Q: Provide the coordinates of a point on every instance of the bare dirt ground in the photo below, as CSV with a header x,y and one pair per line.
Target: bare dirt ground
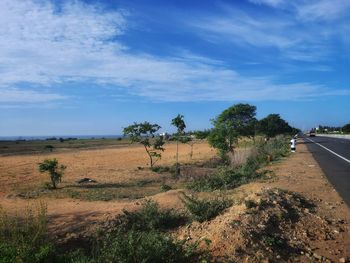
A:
x,y
325,233
117,165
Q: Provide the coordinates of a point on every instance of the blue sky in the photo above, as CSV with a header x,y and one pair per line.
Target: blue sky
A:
x,y
94,67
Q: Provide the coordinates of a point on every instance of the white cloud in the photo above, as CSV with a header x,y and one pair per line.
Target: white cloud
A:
x,y
42,45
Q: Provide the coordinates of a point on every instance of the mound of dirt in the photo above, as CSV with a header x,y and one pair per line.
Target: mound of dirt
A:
x,y
272,226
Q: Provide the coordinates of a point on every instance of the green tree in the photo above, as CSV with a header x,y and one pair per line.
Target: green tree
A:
x,y
234,122
144,133
273,125
54,169
201,134
346,128
180,125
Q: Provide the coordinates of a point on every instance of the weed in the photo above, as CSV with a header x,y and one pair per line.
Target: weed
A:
x,y
152,246
203,210
24,239
151,217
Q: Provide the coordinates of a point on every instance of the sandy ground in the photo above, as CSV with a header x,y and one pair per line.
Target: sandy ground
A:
x,y
104,165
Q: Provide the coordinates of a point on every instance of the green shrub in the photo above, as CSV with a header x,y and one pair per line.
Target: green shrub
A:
x,y
225,178
165,187
49,147
136,246
164,169
24,239
160,169
231,177
150,217
250,204
203,210
55,171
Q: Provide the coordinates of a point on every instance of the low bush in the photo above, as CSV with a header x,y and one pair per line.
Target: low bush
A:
x,y
25,239
164,169
151,217
205,209
250,204
228,177
152,246
165,187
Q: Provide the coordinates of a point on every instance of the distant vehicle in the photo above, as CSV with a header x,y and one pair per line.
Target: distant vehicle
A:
x,y
312,133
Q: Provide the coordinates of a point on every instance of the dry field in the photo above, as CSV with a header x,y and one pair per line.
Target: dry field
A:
x,y
325,234
119,172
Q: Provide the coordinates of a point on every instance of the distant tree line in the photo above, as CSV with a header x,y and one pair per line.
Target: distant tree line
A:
x,y
332,129
236,121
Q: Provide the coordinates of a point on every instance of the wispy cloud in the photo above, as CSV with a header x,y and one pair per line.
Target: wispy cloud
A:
x,y
15,95
310,10
44,45
274,3
298,30
323,10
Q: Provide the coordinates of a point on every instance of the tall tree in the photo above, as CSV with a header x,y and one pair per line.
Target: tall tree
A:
x,y
234,122
273,125
180,125
145,134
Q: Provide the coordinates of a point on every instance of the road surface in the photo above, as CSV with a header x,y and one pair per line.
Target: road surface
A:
x,y
333,155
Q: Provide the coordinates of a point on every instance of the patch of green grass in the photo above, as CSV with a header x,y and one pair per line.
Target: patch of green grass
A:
x,y
205,209
24,238
97,192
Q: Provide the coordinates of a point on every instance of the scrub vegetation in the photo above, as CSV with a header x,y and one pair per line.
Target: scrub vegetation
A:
x,y
148,234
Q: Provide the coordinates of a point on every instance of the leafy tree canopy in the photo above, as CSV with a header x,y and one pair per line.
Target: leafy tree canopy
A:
x,y
144,133
54,169
273,125
179,123
238,120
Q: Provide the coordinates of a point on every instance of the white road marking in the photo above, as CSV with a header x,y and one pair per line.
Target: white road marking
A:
x,y
341,157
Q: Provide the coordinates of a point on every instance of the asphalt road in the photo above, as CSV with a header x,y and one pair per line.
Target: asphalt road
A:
x,y
333,155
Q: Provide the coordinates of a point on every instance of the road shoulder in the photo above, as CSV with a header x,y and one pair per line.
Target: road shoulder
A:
x,y
302,174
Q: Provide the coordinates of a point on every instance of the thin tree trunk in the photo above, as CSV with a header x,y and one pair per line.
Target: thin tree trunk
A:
x,y
177,158
53,182
150,157
191,154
